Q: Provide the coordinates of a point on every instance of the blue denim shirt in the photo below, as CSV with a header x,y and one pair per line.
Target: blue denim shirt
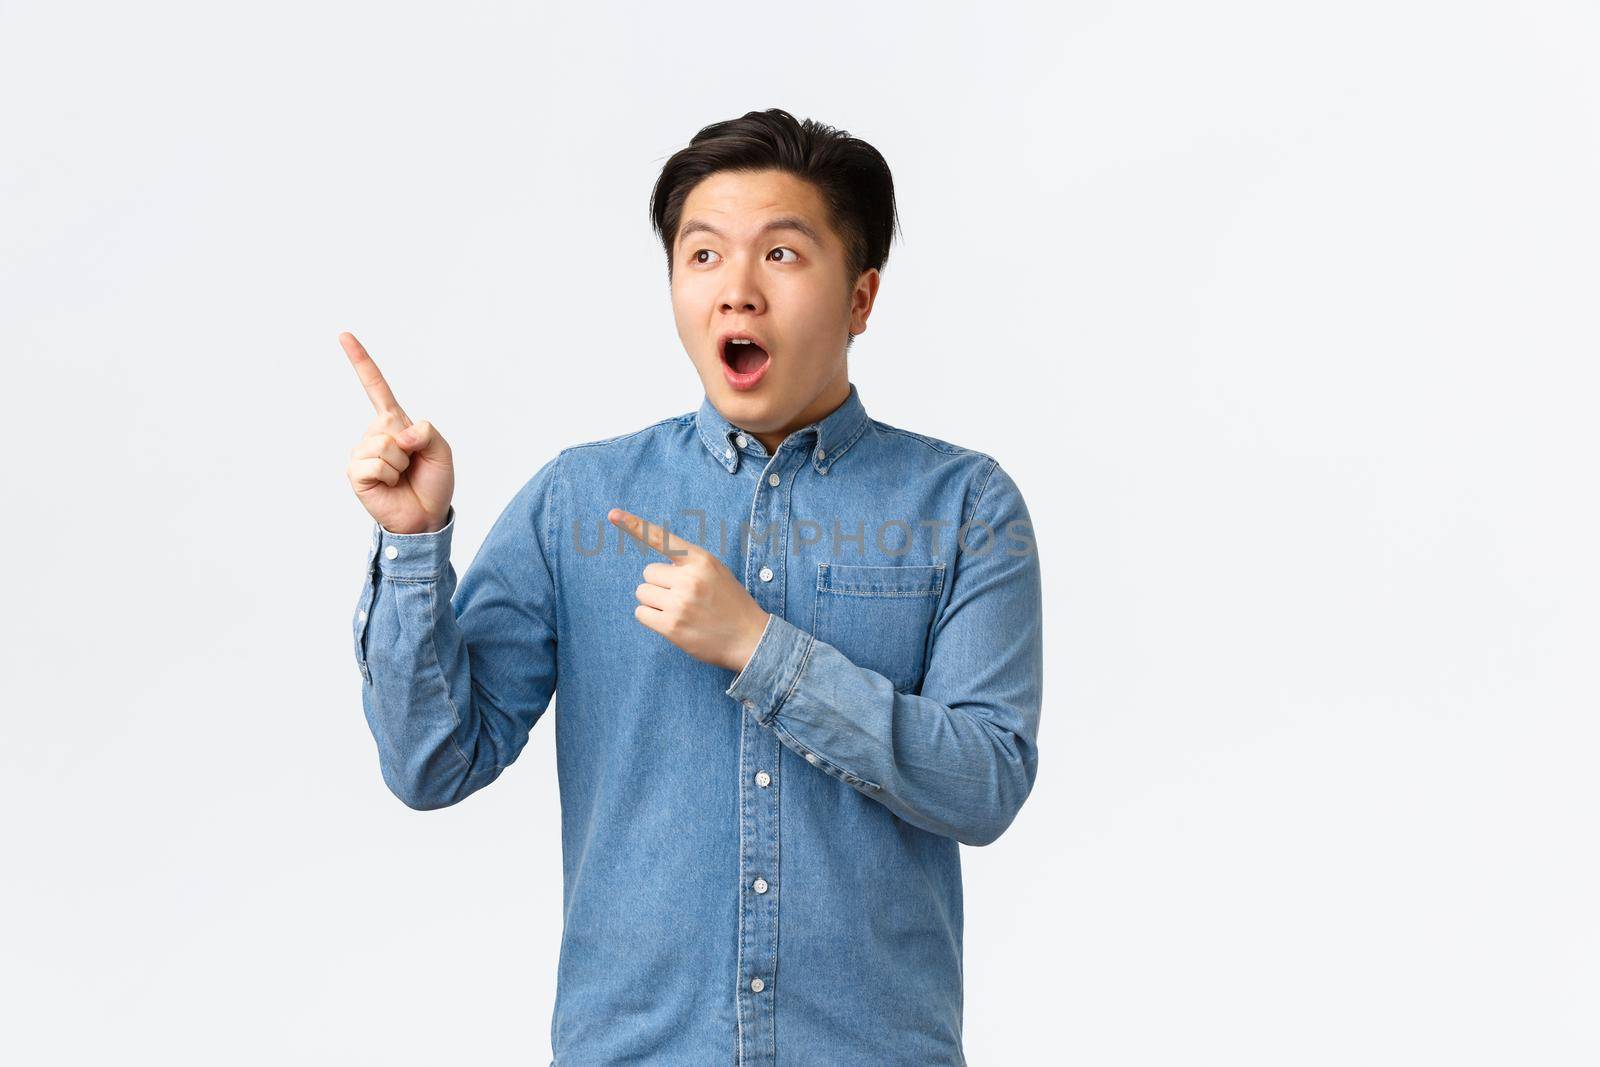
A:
x,y
760,868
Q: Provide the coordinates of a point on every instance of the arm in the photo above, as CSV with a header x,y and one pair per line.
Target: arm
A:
x,y
454,681
960,758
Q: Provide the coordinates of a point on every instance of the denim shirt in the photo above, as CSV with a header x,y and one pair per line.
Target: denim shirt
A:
x,y
757,868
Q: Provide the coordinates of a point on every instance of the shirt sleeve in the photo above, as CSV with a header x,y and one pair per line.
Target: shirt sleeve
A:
x,y
960,757
453,680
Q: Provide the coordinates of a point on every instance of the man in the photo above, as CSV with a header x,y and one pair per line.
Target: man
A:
x,y
832,673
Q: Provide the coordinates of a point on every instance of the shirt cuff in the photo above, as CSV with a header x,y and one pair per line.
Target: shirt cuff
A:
x,y
417,556
773,670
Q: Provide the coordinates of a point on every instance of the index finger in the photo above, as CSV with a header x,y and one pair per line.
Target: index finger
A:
x,y
657,537
371,378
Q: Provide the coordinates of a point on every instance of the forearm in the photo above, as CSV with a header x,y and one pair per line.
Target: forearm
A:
x,y
456,679
417,692
960,770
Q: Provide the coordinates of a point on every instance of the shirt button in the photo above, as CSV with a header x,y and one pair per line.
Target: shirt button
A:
x,y
763,779
811,757
757,985
727,453
772,479
742,440
391,552
766,574
362,615
760,885
749,705
821,454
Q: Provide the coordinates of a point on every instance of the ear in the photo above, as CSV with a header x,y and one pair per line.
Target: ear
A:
x,y
862,299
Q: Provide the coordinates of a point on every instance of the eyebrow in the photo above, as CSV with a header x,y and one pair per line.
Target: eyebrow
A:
x,y
787,222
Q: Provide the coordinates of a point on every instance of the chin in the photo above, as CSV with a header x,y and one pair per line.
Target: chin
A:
x,y
752,407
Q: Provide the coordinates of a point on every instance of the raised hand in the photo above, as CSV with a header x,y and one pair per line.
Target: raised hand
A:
x,y
402,471
694,601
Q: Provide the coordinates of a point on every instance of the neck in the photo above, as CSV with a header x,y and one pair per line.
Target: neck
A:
x,y
833,394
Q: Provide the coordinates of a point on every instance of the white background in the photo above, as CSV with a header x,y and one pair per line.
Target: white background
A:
x,y
1282,316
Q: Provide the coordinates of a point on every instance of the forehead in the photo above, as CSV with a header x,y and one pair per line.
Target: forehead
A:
x,y
737,202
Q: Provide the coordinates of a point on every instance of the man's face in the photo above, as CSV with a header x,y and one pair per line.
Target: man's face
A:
x,y
785,287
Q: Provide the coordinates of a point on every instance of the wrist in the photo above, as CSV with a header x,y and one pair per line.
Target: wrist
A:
x,y
746,646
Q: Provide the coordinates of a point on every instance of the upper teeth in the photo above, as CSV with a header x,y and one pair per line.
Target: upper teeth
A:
x,y
740,341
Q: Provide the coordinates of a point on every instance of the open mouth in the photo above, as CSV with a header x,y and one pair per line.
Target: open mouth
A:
x,y
743,357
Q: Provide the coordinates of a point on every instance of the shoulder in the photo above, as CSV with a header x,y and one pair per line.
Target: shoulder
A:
x,y
605,452
601,453
588,466
643,435
985,482
925,450
910,438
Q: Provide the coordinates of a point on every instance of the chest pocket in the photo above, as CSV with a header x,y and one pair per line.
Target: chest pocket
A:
x,y
879,615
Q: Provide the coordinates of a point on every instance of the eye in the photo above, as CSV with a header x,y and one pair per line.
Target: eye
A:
x,y
695,256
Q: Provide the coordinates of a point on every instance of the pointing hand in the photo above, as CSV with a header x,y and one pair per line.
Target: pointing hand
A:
x,y
402,471
694,600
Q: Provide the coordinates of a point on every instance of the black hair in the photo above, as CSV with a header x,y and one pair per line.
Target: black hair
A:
x,y
851,176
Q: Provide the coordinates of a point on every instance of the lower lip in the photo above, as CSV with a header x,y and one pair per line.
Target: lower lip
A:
x,y
745,381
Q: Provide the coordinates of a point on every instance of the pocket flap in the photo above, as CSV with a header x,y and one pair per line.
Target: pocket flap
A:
x,y
880,580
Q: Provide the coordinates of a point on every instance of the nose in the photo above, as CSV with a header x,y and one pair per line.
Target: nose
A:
x,y
740,289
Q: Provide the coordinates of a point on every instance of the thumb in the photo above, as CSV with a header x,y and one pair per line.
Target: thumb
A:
x,y
421,437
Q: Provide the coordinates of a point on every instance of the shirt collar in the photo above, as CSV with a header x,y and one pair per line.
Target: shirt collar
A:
x,y
835,433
